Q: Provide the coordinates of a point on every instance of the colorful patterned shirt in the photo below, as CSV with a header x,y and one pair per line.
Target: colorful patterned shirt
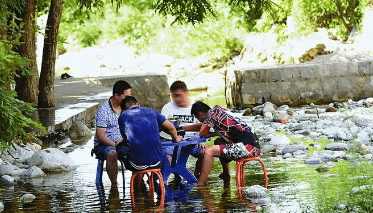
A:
x,y
229,127
107,118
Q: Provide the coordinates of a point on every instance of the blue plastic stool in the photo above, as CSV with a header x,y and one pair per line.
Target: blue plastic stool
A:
x,y
99,172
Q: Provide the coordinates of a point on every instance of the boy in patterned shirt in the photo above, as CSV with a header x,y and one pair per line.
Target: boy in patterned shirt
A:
x,y
230,129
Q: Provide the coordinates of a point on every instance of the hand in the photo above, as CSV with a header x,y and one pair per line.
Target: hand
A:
x,y
117,142
202,146
178,138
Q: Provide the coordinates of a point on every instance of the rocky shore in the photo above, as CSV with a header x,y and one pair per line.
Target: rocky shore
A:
x,y
348,126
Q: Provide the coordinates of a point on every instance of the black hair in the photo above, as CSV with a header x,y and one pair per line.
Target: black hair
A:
x,y
127,102
120,86
178,85
199,106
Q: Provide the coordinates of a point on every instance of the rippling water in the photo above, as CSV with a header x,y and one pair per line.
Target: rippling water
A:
x,y
75,191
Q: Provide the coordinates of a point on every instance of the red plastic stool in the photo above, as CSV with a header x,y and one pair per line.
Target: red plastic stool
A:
x,y
240,177
156,171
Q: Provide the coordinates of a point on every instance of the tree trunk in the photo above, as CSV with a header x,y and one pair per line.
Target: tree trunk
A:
x,y
26,85
46,82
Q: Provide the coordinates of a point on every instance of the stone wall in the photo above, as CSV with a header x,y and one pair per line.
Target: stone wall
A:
x,y
299,84
151,90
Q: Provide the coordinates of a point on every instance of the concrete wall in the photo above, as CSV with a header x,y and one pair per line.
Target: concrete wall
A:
x,y
299,84
151,90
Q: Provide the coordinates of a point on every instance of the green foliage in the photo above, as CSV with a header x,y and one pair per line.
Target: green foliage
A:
x,y
192,11
340,14
14,114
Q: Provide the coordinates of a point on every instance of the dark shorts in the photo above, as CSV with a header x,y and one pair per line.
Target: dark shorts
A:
x,y
122,151
102,151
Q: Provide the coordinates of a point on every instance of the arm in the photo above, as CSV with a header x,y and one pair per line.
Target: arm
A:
x,y
104,140
193,127
171,131
205,131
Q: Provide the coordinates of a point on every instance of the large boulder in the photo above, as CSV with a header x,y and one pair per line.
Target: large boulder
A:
x,y
79,131
52,160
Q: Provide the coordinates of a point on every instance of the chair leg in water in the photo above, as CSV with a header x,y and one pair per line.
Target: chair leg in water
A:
x,y
240,176
156,171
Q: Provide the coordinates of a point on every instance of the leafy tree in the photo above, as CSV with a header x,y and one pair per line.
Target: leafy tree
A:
x,y
14,113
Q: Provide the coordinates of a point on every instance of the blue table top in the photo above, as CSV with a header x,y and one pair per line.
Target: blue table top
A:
x,y
185,141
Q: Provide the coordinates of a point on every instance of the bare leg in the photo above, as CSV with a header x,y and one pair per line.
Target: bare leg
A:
x,y
112,167
207,160
226,176
197,170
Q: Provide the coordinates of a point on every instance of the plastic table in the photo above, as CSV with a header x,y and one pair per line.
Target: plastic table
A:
x,y
180,157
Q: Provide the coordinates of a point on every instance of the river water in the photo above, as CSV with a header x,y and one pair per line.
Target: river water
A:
x,y
75,191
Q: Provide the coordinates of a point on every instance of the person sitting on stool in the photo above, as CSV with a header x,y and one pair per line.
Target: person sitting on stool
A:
x,y
141,146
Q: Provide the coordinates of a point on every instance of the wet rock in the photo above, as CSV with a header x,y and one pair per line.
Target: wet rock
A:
x,y
79,130
27,198
336,147
7,181
278,208
33,172
52,160
255,191
10,169
258,110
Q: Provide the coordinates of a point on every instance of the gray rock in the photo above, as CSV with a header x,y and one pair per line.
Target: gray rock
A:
x,y
268,116
283,108
1,207
269,107
19,154
1,162
10,169
79,130
268,148
33,172
299,153
368,102
280,140
360,188
292,148
336,147
7,181
287,155
363,120
255,191
27,198
52,160
313,161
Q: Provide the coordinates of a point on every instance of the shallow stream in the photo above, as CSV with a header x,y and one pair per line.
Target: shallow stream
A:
x,y
75,191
